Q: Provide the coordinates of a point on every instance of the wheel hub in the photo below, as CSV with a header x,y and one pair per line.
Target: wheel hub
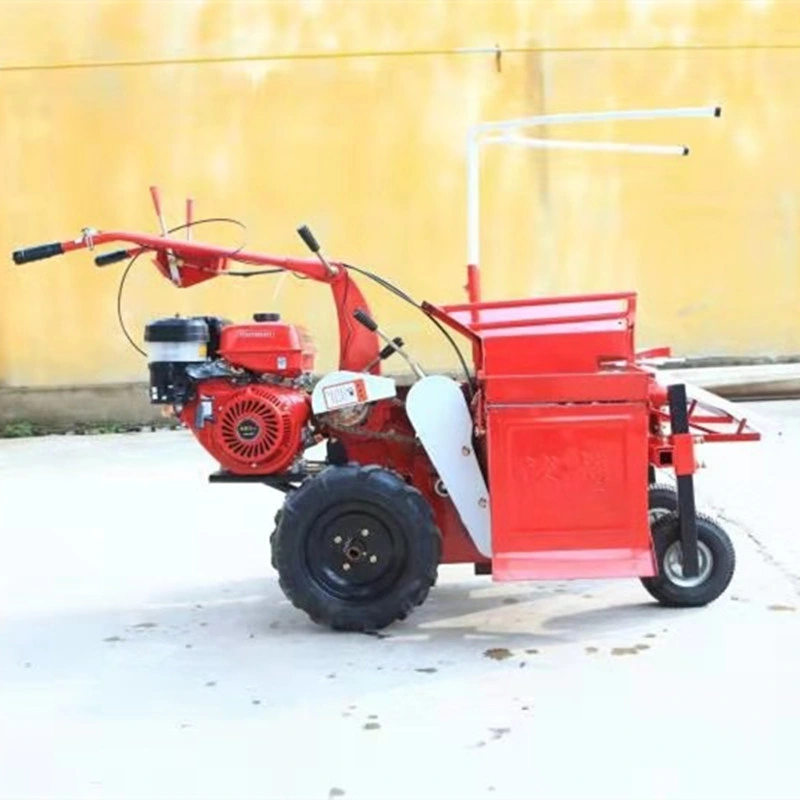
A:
x,y
355,554
673,565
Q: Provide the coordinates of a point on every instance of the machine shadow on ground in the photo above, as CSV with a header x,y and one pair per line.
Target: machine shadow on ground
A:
x,y
460,619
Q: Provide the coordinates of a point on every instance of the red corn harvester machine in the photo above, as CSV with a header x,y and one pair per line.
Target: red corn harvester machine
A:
x,y
540,463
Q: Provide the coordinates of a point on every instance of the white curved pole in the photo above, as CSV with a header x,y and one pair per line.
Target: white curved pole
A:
x,y
474,142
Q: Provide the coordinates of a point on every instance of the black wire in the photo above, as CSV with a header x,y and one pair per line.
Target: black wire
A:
x,y
403,296
229,220
185,226
119,302
249,274
385,284
231,254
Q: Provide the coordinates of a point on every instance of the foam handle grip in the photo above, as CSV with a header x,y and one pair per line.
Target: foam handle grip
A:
x,y
311,243
365,319
37,253
111,258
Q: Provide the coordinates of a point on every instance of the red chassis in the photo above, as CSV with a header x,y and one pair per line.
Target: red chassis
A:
x,y
568,424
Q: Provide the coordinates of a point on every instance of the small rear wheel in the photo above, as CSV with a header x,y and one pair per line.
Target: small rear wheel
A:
x,y
661,499
716,558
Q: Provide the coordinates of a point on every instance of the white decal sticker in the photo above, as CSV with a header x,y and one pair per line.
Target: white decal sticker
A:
x,y
344,394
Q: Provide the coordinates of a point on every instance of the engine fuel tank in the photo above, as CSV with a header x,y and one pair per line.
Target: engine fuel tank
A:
x,y
273,347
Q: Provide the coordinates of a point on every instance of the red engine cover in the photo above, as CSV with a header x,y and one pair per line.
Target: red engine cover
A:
x,y
277,348
257,429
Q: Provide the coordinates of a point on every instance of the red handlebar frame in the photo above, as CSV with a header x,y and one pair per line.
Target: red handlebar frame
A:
x,y
195,262
191,251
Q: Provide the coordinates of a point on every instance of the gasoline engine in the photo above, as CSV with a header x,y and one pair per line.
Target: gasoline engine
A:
x,y
242,389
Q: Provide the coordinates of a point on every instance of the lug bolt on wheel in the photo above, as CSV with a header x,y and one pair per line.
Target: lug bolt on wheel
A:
x,y
365,533
373,559
337,539
345,566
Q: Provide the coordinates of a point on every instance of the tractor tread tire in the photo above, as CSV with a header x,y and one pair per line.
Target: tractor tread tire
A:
x,y
388,491
665,531
662,495
273,536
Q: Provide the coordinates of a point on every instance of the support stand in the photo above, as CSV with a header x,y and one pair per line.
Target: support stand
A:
x,y
679,419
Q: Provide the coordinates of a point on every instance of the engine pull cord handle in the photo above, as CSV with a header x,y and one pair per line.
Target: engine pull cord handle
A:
x,y
395,344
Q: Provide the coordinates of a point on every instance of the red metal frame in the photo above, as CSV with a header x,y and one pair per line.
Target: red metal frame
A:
x,y
573,418
702,425
198,262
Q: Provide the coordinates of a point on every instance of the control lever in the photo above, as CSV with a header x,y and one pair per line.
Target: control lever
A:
x,y
313,245
172,262
387,351
370,324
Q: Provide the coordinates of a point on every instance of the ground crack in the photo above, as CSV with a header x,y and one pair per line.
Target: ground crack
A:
x,y
763,550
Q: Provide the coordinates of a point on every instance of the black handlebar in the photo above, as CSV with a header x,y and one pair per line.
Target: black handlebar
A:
x,y
311,243
111,258
37,253
365,320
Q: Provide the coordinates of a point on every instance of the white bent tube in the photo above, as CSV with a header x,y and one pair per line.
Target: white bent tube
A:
x,y
610,147
600,116
474,141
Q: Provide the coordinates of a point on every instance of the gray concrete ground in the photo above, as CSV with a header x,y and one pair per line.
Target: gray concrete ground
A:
x,y
146,652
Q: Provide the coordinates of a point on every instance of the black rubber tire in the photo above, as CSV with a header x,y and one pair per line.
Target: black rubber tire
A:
x,y
277,522
304,524
661,497
666,531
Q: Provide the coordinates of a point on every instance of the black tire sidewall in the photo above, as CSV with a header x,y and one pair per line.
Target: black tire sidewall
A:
x,y
666,531
661,496
402,506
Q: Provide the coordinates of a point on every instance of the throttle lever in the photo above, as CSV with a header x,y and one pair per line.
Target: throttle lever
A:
x,y
387,351
308,238
395,344
312,244
366,320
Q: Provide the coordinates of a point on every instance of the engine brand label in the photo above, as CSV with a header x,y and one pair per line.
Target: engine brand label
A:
x,y
247,430
341,395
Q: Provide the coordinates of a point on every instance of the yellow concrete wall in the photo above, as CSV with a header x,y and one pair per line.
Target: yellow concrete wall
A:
x,y
350,115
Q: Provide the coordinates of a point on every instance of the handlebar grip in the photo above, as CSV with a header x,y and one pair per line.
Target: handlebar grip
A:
x,y
311,243
111,258
37,253
365,319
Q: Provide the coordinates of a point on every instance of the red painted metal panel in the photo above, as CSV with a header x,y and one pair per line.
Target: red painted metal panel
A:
x,y
556,334
683,454
629,297
525,353
569,491
570,564
599,387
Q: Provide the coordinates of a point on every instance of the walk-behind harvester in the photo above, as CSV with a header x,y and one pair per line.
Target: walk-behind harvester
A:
x,y
539,463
